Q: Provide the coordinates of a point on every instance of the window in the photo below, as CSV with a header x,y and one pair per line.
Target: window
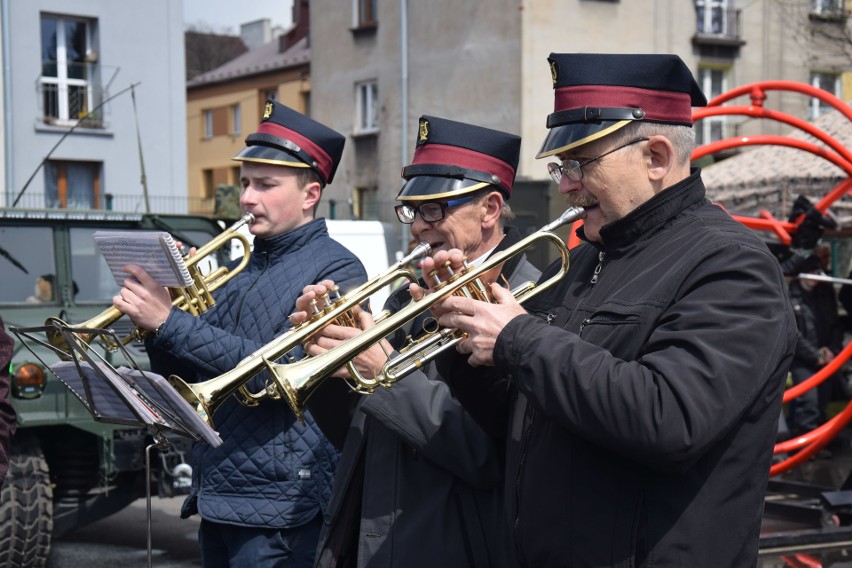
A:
x,y
365,203
713,82
21,268
827,82
67,69
712,17
367,107
236,121
208,124
364,13
72,185
827,7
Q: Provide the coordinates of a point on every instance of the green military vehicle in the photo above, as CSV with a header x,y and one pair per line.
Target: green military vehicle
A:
x,y
67,469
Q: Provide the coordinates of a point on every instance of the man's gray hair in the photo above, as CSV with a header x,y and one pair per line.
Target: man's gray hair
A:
x,y
682,137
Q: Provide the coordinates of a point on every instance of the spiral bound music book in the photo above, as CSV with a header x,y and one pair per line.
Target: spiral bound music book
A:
x,y
154,251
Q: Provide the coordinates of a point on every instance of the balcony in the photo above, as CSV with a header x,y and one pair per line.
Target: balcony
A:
x,y
718,26
70,95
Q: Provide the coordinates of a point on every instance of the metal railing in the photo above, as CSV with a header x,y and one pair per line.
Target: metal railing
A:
x,y
171,204
67,94
717,22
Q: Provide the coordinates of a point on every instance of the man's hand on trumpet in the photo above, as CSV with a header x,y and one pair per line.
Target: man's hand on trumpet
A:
x,y
481,321
370,362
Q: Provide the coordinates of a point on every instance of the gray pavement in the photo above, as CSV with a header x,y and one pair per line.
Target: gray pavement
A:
x,y
121,540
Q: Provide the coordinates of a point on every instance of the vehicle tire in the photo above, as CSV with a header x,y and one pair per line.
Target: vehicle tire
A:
x,y
26,506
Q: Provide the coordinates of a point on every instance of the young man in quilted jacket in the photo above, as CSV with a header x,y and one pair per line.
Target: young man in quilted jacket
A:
x,y
648,382
262,493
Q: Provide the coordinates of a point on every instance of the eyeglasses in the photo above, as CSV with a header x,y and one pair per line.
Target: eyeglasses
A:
x,y
573,170
429,212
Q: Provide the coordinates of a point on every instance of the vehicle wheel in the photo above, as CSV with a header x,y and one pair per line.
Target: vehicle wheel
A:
x,y
26,507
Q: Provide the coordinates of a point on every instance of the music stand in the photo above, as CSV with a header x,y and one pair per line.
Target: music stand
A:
x,y
125,396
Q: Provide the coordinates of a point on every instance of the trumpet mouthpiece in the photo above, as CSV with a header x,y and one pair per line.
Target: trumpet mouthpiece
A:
x,y
422,250
569,216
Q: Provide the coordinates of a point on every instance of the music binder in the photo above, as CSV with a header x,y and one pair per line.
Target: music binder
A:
x,y
132,397
154,251
123,395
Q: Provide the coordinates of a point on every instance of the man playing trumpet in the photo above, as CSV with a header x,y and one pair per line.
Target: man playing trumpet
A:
x,y
419,478
648,382
262,492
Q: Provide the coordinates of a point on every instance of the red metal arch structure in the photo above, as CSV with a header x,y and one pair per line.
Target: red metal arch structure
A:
x,y
802,448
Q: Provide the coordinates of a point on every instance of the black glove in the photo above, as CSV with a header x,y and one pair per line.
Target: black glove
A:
x,y
812,226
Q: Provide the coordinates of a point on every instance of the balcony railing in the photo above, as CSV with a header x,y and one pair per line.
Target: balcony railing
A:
x,y
718,25
71,97
205,206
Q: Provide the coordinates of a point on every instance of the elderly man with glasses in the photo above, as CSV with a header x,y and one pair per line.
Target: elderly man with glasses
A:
x,y
647,384
420,480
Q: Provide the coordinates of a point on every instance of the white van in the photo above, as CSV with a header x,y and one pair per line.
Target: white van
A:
x,y
366,239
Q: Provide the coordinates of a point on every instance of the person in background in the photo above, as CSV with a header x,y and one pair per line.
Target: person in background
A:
x,y
648,381
262,493
420,479
820,339
8,422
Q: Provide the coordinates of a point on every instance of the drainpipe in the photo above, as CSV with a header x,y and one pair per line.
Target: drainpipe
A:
x,y
403,5
7,104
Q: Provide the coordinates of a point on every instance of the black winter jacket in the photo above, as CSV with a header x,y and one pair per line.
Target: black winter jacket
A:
x,y
422,478
648,401
271,471
817,322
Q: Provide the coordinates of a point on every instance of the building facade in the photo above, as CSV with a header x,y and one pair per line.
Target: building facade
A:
x,y
380,64
95,111
225,104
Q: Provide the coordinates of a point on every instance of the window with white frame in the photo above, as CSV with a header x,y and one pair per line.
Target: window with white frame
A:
x,y
367,107
67,66
713,82
711,17
827,7
207,116
364,13
236,120
827,82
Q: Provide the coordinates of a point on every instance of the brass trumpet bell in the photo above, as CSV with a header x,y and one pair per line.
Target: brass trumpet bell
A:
x,y
298,380
207,396
195,299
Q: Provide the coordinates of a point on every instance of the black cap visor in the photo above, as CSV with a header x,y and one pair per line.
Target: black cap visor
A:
x,y
269,155
566,137
432,188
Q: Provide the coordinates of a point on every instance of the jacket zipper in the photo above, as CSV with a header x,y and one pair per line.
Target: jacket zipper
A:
x,y
516,525
599,267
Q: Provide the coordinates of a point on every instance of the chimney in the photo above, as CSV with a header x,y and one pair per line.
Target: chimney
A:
x,y
301,25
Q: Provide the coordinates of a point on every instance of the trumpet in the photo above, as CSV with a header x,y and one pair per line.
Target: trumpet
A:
x,y
195,298
298,380
206,397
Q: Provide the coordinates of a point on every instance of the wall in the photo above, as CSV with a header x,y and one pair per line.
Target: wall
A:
x,y
138,43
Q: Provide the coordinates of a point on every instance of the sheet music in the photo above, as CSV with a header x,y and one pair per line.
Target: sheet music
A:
x,y
126,396
154,251
163,393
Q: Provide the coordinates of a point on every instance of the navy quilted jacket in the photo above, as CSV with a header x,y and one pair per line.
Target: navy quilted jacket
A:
x,y
271,471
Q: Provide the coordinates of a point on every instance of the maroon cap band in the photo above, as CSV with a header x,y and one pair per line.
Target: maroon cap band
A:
x,y
324,161
659,106
464,158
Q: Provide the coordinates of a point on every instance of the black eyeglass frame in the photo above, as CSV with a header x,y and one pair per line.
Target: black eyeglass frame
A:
x,y
440,213
575,168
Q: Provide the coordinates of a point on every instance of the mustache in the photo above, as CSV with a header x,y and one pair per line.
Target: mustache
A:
x,y
582,200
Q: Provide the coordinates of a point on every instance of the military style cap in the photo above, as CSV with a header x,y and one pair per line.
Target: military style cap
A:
x,y
288,138
596,94
453,158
